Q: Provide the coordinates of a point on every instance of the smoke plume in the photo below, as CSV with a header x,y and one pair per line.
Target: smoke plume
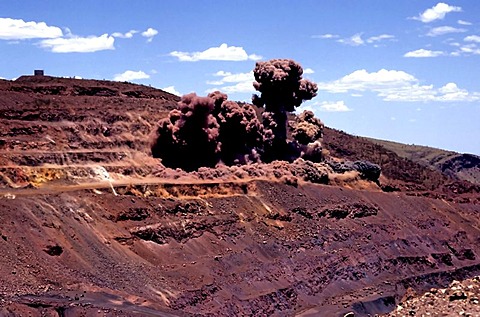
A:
x,y
307,131
282,89
212,130
308,128
188,137
207,130
241,133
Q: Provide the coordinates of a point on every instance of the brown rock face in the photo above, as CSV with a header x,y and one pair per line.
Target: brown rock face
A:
x,y
266,248
91,225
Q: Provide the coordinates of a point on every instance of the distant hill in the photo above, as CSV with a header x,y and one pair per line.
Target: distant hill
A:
x,y
431,172
461,166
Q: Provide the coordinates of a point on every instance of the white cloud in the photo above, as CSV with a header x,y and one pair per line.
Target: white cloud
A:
x,y
441,30
462,22
221,53
255,57
222,73
423,53
233,83
16,29
361,80
131,75
79,44
234,78
436,12
172,90
449,88
409,93
450,92
469,49
149,34
127,35
336,106
472,38
241,87
215,82
355,40
379,38
395,85
325,36
308,71
68,32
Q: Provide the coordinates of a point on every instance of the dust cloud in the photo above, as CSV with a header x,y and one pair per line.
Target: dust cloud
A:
x,y
212,130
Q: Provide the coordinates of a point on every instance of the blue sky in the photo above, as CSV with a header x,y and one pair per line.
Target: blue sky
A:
x,y
402,70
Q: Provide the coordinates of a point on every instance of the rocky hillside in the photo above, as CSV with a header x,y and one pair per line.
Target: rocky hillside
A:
x,y
49,120
89,228
458,166
408,174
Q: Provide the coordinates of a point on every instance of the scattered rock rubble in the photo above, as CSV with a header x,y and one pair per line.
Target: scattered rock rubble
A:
x,y
458,299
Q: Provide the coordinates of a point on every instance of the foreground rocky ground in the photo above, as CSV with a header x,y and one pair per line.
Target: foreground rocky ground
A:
x,y
460,298
256,248
88,228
